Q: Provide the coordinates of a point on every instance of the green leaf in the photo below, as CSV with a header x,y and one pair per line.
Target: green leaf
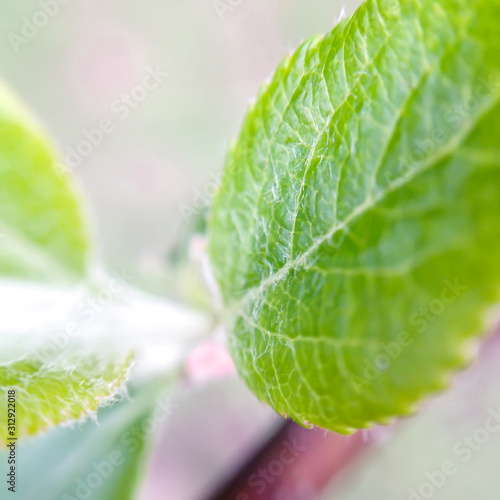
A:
x,y
51,393
356,232
101,460
43,239
43,235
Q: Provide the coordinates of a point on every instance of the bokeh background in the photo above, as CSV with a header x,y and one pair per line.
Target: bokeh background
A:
x,y
148,179
164,156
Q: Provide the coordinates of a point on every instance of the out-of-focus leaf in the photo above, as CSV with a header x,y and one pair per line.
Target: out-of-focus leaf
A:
x,y
100,460
43,239
51,393
43,236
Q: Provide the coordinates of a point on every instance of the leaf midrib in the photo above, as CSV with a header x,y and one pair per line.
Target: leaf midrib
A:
x,y
370,202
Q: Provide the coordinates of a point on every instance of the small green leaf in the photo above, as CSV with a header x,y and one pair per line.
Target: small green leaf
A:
x,y
356,232
51,394
43,239
43,236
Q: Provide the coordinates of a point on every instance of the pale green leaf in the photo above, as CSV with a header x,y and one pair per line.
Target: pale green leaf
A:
x,y
356,232
42,232
43,239
49,394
